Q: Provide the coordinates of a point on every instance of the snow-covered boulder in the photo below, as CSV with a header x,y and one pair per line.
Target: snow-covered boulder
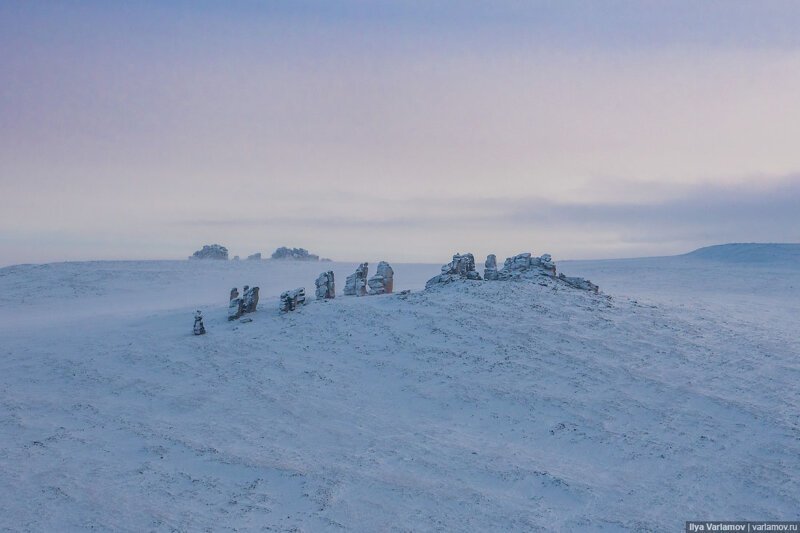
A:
x,y
254,257
291,300
234,293
490,268
249,300
326,286
356,283
579,283
383,280
235,308
211,251
461,267
294,254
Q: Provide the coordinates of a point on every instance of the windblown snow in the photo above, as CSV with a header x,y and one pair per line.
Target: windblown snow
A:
x,y
474,406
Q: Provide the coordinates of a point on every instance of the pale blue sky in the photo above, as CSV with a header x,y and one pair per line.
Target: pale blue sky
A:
x,y
397,130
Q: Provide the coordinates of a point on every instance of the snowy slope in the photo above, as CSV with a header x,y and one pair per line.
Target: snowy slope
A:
x,y
482,406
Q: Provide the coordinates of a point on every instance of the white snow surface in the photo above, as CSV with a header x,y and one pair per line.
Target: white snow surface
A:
x,y
476,406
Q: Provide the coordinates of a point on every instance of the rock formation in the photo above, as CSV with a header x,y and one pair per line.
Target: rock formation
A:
x,y
356,283
294,254
235,308
291,300
383,280
250,300
326,288
490,268
526,265
199,328
234,293
461,267
255,257
579,283
211,251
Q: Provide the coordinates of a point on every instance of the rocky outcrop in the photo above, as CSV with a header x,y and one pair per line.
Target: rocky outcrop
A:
x,y
291,300
234,293
294,254
579,283
383,280
326,287
199,328
255,257
356,283
490,268
527,265
211,251
461,267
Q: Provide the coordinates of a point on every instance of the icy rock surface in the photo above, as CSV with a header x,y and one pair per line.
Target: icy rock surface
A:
x,y
291,300
294,254
326,286
254,257
356,283
461,267
211,251
199,328
383,280
490,268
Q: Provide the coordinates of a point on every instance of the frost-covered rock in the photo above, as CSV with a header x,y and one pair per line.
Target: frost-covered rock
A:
x,y
235,308
326,287
526,265
579,283
294,254
234,293
291,300
249,299
490,268
211,251
199,328
383,280
356,283
255,257
461,267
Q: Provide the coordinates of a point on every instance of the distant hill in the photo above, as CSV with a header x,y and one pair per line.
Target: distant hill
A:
x,y
749,253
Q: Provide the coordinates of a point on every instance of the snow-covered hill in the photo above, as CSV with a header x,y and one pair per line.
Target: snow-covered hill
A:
x,y
496,406
759,253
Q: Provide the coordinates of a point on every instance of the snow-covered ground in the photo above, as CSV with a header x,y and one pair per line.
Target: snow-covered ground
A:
x,y
477,406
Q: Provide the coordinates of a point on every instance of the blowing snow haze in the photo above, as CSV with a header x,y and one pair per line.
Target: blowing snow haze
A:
x,y
396,129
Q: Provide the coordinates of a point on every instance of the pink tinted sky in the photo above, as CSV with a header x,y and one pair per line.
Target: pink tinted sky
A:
x,y
404,131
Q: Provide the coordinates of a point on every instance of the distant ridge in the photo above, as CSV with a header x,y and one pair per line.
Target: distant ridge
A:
x,y
750,253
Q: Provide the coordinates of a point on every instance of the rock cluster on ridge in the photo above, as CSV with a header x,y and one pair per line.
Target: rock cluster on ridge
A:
x,y
294,254
461,267
211,251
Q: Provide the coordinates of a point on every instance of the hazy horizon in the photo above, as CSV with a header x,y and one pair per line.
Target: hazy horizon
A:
x,y
401,131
